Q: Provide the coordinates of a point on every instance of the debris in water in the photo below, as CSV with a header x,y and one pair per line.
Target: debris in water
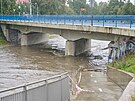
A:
x,y
95,81
100,89
91,75
96,70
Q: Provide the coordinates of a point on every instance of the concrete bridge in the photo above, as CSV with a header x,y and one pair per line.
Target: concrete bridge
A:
x,y
77,30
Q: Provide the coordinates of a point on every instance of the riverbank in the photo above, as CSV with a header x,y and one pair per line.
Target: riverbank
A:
x,y
127,65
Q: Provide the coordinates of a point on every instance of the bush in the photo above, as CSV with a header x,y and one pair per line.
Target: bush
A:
x,y
128,66
2,41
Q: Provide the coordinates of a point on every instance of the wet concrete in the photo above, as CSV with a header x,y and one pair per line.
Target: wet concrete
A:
x,y
33,59
97,87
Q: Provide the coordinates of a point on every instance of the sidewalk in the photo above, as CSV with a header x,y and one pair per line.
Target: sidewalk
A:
x,y
97,87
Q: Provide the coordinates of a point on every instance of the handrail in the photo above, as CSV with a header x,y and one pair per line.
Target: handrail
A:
x,y
92,20
36,82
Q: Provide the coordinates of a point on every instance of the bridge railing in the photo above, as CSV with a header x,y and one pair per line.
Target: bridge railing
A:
x,y
90,20
52,89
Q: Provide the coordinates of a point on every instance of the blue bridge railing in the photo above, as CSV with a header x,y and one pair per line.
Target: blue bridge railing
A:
x,y
127,21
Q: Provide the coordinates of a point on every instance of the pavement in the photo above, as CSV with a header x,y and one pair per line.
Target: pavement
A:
x,y
95,86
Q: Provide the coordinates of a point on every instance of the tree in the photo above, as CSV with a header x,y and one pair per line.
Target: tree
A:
x,y
8,6
128,9
59,7
112,7
103,8
51,7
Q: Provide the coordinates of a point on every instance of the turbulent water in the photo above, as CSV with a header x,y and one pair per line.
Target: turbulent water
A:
x,y
24,64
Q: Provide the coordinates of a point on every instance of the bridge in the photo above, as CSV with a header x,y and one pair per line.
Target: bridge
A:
x,y
77,30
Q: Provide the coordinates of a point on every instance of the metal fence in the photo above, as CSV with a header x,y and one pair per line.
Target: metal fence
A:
x,y
91,20
51,89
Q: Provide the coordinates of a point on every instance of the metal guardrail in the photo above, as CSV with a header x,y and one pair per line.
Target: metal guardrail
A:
x,y
51,89
91,20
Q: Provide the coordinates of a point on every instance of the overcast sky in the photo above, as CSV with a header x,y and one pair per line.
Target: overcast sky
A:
x,y
107,0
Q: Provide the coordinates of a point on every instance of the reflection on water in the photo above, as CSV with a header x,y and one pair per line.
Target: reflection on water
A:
x,y
33,58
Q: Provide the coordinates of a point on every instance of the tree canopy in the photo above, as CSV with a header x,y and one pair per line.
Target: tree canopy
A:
x,y
7,6
72,7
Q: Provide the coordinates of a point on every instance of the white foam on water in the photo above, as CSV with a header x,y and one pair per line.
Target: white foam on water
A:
x,y
100,89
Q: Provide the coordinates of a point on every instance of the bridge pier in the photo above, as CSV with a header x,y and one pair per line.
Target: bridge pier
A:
x,y
11,35
77,47
5,32
33,38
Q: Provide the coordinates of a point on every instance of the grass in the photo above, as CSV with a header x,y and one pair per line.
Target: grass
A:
x,y
2,41
133,98
128,65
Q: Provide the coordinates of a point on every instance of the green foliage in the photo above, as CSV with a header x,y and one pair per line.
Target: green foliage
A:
x,y
2,41
1,34
51,7
129,66
77,4
133,98
113,7
103,8
8,6
128,9
59,7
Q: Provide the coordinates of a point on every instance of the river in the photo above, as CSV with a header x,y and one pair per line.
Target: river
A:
x,y
24,64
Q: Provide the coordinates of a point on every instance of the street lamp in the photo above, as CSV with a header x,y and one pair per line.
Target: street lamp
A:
x,y
34,5
24,9
19,9
37,7
14,11
31,7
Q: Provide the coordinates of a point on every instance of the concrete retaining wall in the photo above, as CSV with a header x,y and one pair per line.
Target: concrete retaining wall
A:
x,y
124,80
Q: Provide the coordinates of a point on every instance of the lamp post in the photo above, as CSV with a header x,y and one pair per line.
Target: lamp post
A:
x,y
14,11
30,7
19,7
36,7
25,9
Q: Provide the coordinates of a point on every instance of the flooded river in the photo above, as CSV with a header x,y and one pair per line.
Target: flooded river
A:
x,y
86,85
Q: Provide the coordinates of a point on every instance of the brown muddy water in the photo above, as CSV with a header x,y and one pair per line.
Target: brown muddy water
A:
x,y
31,63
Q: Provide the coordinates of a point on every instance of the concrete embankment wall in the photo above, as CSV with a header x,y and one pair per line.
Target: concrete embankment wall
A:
x,y
125,81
